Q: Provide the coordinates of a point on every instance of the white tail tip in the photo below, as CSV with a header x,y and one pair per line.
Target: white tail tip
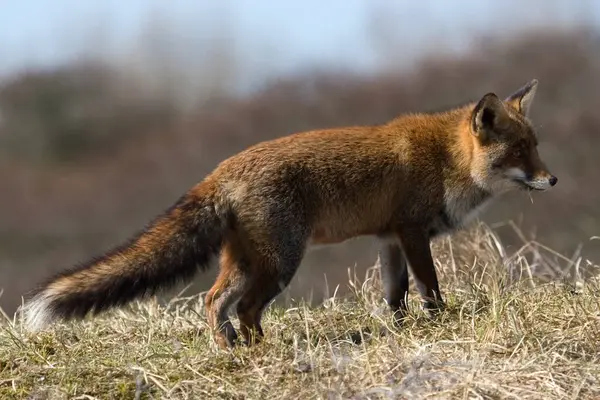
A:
x,y
37,312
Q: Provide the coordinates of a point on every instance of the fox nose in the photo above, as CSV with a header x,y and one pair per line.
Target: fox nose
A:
x,y
553,180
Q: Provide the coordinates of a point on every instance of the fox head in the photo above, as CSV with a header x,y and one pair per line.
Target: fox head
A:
x,y
505,152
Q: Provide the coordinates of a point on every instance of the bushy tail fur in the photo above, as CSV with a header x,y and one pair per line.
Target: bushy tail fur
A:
x,y
168,251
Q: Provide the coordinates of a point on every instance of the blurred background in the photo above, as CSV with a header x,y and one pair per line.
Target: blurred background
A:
x,y
110,110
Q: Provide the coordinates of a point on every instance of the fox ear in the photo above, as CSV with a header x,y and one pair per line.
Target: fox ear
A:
x,y
521,99
487,115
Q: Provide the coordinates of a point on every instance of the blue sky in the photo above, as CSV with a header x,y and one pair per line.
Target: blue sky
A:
x,y
283,35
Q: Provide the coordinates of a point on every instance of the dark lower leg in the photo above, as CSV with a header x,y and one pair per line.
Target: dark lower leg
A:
x,y
394,273
251,307
273,266
249,313
418,253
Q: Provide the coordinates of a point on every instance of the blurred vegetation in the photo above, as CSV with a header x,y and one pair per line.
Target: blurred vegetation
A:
x,y
68,114
89,153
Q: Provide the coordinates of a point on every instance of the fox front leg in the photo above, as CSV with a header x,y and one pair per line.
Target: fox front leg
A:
x,y
415,244
394,273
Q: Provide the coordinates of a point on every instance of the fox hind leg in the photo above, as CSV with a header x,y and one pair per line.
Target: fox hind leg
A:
x,y
253,303
271,278
275,247
231,283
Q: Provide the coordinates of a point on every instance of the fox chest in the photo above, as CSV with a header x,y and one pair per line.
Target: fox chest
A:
x,y
457,214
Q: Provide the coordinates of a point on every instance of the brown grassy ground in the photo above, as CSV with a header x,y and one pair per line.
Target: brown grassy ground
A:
x,y
504,335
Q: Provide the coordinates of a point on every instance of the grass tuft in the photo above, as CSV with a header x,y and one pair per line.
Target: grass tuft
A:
x,y
523,326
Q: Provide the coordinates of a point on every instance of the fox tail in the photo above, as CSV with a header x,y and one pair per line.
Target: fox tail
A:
x,y
170,250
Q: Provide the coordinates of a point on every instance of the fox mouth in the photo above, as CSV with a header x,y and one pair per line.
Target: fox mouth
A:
x,y
527,185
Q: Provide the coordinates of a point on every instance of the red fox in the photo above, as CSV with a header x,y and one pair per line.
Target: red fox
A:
x,y
405,182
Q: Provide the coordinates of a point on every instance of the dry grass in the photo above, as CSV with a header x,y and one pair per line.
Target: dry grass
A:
x,y
505,334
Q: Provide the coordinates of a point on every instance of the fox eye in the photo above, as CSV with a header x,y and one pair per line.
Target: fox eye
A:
x,y
517,153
